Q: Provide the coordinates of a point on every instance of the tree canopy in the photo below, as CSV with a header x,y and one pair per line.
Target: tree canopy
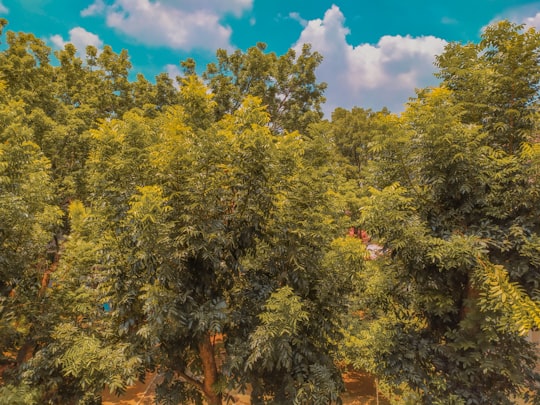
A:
x,y
215,230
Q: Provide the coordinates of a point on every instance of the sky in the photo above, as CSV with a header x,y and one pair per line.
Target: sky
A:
x,y
376,53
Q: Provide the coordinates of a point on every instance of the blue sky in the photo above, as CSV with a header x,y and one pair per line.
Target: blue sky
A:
x,y
376,52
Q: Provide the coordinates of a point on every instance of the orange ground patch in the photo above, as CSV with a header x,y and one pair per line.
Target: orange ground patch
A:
x,y
360,390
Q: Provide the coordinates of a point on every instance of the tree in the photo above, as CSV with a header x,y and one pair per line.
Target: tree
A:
x,y
62,102
29,218
286,84
291,352
197,233
203,229
185,226
497,81
446,308
26,70
507,57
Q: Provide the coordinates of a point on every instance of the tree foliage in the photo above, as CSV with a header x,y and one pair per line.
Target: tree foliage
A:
x,y
197,229
454,203
286,84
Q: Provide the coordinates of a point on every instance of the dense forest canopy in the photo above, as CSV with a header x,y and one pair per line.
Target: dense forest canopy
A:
x,y
214,229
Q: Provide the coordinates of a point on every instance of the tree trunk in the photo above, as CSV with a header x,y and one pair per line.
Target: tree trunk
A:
x,y
206,351
25,352
469,302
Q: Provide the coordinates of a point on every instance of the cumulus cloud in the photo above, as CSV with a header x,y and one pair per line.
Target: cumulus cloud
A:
x,y
178,25
80,38
296,16
527,14
3,9
173,71
533,21
96,8
369,75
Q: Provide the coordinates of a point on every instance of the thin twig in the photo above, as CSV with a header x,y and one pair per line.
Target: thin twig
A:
x,y
146,390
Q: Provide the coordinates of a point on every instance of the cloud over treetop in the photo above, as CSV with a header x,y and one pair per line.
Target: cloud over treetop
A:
x,y
183,25
80,38
367,74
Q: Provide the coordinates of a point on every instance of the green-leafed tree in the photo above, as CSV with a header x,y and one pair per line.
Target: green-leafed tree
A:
x,y
497,82
197,233
290,354
26,70
64,100
187,224
286,84
352,133
446,308
29,218
89,347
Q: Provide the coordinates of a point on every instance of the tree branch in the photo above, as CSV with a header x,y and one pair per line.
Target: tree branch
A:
x,y
191,380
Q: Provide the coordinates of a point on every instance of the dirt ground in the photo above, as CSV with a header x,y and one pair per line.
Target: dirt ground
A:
x,y
360,390
139,394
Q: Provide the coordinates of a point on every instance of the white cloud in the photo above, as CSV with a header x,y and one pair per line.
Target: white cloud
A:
x,y
179,25
80,38
369,75
173,71
449,21
96,8
533,21
527,14
3,9
58,41
296,16
235,7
